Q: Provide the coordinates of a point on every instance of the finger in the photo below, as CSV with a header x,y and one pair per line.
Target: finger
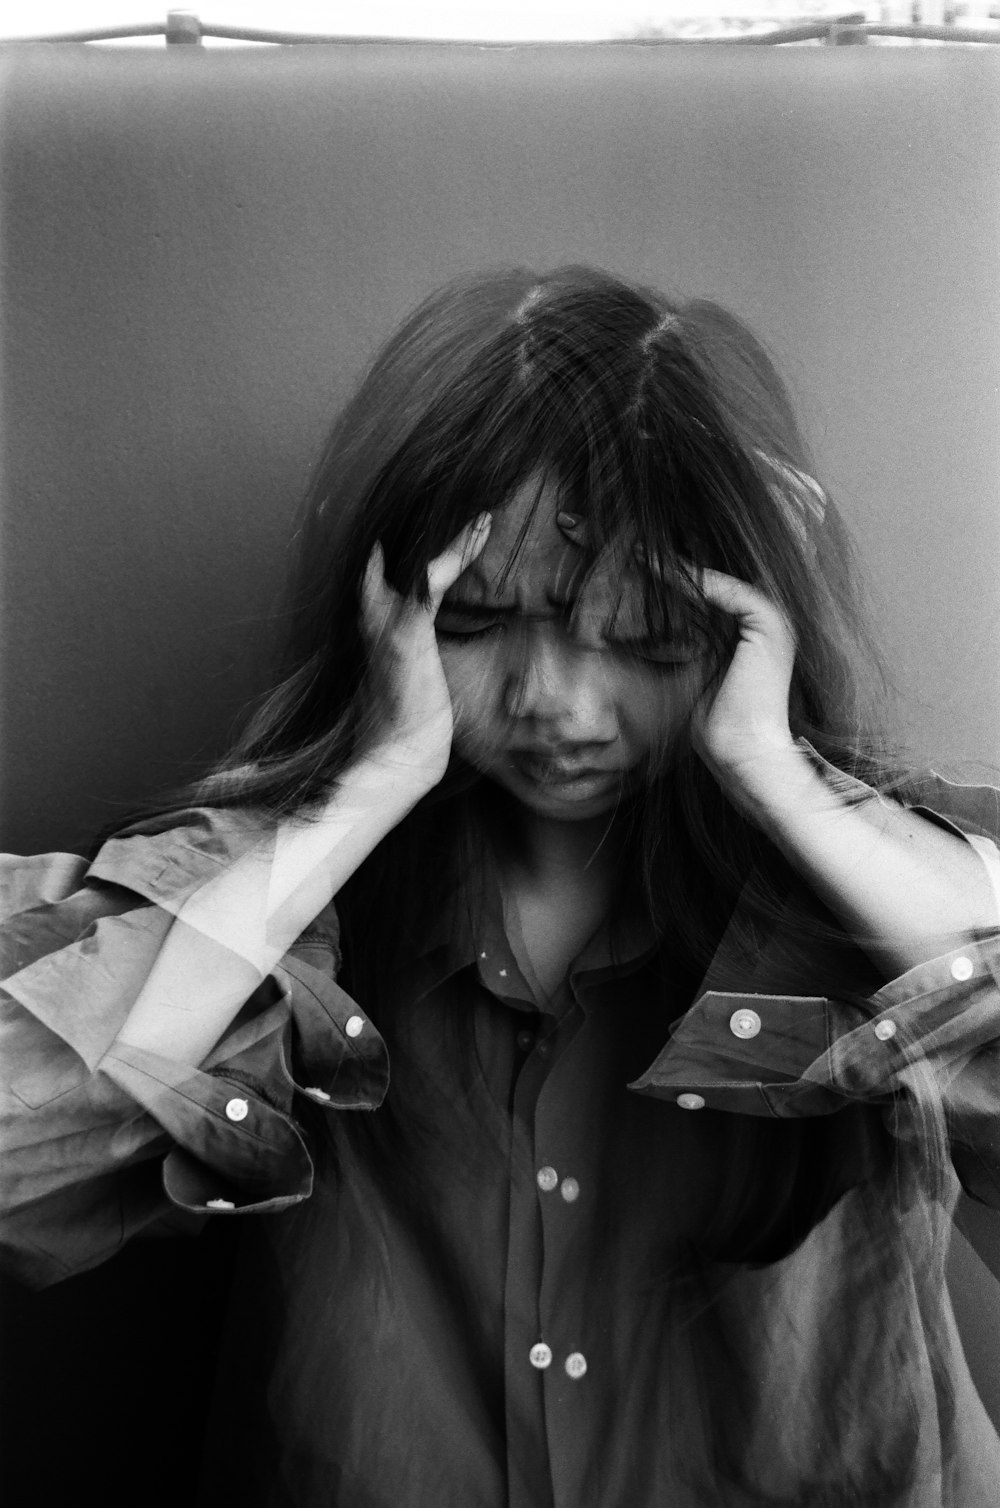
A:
x,y
732,595
376,594
758,616
573,526
374,571
445,570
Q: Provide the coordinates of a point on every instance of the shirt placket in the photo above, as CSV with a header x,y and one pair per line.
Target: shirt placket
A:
x,y
546,1353
527,1353
547,1368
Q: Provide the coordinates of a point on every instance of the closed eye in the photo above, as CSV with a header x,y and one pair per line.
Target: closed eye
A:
x,y
460,625
660,651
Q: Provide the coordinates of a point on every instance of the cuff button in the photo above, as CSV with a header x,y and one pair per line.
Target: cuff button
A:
x,y
237,1110
962,968
744,1024
885,1030
691,1101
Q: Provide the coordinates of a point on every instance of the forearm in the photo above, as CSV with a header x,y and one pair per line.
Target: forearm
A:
x,y
228,936
906,888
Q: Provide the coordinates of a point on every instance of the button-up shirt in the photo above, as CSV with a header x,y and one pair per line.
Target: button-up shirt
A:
x,y
665,1241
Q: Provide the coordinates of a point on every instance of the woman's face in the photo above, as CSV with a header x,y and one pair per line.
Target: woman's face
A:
x,y
558,695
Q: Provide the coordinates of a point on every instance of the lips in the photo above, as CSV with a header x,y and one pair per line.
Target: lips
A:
x,y
545,769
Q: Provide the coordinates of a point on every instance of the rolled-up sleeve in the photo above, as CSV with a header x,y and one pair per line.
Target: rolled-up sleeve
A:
x,y
932,1034
100,1138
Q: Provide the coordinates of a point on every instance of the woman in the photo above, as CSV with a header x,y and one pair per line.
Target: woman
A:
x,y
677,975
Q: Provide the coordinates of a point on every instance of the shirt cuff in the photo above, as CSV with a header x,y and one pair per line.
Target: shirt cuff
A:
x,y
237,1146
233,1149
169,858
336,1056
794,1055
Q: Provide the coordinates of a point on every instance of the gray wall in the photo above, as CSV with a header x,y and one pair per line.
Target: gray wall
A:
x,y
199,249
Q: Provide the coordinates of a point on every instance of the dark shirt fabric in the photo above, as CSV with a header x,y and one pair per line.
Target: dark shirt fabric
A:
x,y
666,1241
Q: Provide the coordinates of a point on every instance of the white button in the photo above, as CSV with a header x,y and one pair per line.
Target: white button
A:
x,y
540,1356
691,1101
744,1023
355,1026
576,1364
318,1094
962,968
570,1190
885,1029
503,973
547,1178
237,1110
220,1204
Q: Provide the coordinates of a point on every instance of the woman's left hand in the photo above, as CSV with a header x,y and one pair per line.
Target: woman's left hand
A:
x,y
740,725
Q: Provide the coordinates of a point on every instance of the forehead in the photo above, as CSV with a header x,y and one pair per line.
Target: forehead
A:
x,y
527,561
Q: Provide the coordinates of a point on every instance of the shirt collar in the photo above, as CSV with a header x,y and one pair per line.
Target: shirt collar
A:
x,y
799,950
470,931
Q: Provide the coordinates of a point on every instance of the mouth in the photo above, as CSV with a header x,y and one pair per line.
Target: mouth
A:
x,y
564,777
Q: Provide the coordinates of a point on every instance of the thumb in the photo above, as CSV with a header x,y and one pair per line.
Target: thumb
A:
x,y
444,571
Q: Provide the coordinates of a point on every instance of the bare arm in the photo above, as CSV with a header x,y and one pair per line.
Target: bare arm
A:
x,y
229,935
905,887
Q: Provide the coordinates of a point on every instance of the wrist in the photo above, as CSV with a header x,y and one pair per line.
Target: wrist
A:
x,y
395,772
761,775
789,787
795,795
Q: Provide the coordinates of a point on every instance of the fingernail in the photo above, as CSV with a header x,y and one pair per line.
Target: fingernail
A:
x,y
567,520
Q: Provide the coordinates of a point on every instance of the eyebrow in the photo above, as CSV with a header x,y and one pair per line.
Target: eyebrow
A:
x,y
507,611
476,578
500,609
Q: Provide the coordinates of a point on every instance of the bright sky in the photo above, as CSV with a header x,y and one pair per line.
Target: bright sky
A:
x,y
578,20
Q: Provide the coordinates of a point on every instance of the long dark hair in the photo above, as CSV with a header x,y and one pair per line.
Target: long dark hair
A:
x,y
669,427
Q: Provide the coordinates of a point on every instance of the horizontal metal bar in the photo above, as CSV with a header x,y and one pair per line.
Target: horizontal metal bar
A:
x,y
935,33
818,30
103,34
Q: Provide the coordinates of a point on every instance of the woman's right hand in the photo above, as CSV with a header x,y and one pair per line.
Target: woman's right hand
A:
x,y
417,731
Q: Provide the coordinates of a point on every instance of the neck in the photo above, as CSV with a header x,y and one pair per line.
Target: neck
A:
x,y
545,853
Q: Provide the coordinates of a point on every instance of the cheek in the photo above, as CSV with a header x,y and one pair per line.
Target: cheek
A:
x,y
656,707
473,685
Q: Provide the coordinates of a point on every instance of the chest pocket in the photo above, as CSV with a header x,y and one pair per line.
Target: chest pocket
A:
x,y
46,1068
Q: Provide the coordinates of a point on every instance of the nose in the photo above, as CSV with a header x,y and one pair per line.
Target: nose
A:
x,y
563,689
